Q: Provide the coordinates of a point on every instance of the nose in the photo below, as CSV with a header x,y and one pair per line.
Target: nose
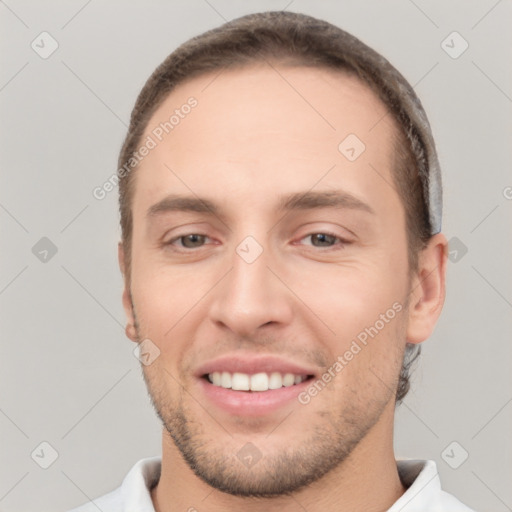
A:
x,y
251,297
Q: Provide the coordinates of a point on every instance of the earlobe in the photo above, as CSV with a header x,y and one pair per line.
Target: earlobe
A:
x,y
130,330
427,292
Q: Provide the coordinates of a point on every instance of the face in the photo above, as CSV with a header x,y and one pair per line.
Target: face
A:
x,y
269,268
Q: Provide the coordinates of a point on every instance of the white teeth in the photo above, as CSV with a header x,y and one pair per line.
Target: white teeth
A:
x,y
275,381
225,380
216,378
240,382
288,379
257,382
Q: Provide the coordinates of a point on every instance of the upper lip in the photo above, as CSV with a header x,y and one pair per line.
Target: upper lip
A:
x,y
252,364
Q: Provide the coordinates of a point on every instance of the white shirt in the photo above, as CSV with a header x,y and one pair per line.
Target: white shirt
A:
x,y
420,477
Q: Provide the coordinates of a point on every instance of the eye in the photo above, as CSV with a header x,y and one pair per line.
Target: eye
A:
x,y
190,241
324,240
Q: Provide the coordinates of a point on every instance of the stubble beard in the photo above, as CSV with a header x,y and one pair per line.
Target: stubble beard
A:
x,y
335,433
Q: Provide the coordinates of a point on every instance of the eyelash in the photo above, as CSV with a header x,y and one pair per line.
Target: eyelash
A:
x,y
340,245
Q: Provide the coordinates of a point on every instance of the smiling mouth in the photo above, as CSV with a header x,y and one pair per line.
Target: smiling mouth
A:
x,y
258,382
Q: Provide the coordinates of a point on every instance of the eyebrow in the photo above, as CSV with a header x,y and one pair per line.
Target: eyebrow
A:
x,y
329,199
174,203
297,201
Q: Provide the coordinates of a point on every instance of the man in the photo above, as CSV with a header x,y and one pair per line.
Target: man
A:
x,y
280,207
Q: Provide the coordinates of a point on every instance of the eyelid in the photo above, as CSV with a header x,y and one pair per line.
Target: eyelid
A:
x,y
328,227
185,229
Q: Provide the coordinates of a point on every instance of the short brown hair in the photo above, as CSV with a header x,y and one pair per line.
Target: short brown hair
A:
x,y
300,40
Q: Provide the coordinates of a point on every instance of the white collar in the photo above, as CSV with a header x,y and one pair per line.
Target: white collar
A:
x,y
420,477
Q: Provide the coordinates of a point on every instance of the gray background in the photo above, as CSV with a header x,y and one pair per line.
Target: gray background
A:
x,y
68,374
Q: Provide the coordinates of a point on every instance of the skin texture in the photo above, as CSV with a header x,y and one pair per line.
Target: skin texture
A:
x,y
255,135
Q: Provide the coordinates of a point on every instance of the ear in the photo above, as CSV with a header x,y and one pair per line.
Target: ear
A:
x,y
428,288
130,330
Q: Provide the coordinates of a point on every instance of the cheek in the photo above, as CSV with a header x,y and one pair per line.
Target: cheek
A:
x,y
352,296
366,364
168,300
363,306
163,313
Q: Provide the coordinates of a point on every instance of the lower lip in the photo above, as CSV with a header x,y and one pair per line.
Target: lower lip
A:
x,y
251,403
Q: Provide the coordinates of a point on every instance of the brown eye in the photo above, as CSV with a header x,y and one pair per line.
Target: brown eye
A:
x,y
192,241
322,240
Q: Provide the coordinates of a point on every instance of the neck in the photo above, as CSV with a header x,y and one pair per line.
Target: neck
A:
x,y
367,480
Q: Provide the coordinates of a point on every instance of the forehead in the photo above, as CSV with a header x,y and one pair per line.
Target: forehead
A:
x,y
274,126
